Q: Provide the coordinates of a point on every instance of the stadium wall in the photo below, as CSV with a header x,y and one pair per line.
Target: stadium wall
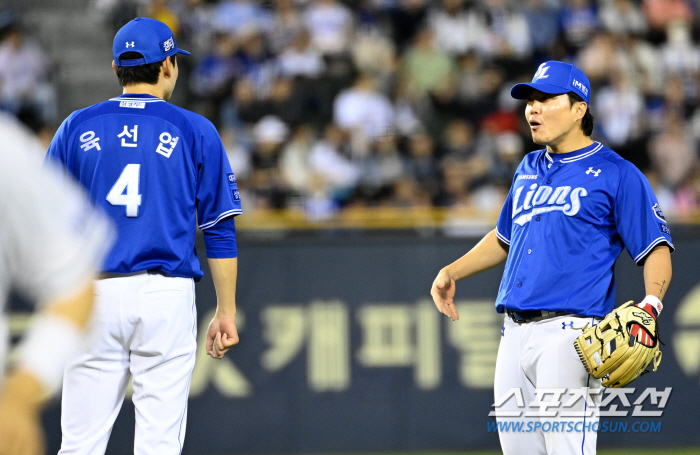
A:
x,y
342,351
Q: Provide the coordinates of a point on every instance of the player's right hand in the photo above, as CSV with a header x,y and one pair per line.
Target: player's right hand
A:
x,y
443,293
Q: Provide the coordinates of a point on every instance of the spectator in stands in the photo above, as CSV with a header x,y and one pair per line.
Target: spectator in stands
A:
x,y
509,35
266,182
457,28
406,19
661,13
213,75
363,112
620,110
294,161
425,67
239,16
287,24
331,159
543,25
673,153
579,21
623,17
380,170
421,164
25,88
331,26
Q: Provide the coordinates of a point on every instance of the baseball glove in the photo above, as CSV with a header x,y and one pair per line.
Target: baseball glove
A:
x,y
621,346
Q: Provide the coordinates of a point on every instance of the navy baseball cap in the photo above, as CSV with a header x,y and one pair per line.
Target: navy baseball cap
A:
x,y
555,78
149,37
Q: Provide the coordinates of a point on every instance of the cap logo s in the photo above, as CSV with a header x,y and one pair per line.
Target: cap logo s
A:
x,y
167,45
541,72
130,44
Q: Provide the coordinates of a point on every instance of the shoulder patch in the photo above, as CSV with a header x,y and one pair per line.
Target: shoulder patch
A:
x,y
657,211
231,179
664,228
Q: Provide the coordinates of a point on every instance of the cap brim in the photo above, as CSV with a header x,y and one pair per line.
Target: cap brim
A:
x,y
522,91
180,51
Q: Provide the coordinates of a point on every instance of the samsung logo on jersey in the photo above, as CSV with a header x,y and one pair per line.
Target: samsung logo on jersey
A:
x,y
133,104
546,199
527,177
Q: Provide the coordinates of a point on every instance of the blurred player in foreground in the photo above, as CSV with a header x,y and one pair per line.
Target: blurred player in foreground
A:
x,y
572,208
157,170
52,243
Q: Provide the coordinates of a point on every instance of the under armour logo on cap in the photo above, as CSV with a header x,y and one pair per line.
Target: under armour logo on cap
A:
x,y
130,44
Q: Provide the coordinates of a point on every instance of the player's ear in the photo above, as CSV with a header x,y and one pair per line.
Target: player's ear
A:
x,y
581,108
114,67
167,67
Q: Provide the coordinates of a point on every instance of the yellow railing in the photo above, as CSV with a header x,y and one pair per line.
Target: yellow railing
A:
x,y
366,218
455,219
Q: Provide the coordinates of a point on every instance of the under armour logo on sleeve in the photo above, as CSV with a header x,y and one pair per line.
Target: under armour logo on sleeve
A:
x,y
130,44
591,171
564,324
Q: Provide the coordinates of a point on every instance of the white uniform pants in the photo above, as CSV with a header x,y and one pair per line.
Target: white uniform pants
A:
x,y
144,329
538,355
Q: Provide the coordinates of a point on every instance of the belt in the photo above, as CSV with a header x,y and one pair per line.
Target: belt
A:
x,y
533,315
104,275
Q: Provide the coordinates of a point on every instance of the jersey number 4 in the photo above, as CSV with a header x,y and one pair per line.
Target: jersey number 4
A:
x,y
126,190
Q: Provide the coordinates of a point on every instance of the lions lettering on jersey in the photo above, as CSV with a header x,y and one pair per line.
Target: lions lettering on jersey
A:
x,y
566,220
562,198
145,166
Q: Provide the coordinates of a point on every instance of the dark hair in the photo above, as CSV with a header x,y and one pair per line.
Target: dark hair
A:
x,y
587,120
142,74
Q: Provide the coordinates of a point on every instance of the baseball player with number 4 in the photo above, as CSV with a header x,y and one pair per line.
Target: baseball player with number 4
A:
x,y
158,171
572,208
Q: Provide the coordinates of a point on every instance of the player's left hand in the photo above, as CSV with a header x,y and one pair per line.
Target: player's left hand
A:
x,y
20,428
222,334
443,293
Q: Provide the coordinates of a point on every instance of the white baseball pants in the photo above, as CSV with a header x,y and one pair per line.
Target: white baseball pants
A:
x,y
143,329
535,356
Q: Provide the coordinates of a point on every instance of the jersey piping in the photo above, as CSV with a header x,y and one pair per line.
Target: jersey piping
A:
x,y
219,218
655,242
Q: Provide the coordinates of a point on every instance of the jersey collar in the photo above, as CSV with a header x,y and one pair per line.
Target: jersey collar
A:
x,y
137,96
575,155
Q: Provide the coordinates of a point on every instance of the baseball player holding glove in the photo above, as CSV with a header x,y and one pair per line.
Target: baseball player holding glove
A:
x,y
572,208
159,171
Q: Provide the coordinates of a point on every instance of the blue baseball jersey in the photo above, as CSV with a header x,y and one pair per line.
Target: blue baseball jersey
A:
x,y
567,218
157,170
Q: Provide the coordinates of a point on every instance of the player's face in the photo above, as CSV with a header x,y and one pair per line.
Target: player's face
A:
x,y
551,118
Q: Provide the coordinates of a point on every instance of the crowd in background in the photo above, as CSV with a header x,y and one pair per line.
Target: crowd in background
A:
x,y
328,104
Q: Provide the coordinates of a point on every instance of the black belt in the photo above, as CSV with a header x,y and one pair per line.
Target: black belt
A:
x,y
104,275
534,315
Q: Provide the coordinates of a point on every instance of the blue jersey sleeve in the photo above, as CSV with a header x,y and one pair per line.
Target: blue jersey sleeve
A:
x,y
217,190
505,220
638,216
220,240
58,149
